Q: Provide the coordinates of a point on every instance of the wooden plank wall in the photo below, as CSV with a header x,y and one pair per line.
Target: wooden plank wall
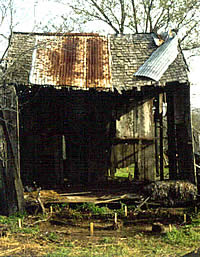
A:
x,y
136,129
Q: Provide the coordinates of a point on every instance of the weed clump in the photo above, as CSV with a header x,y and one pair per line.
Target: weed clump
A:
x,y
94,209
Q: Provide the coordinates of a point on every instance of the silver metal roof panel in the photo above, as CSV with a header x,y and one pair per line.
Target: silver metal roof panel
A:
x,y
159,61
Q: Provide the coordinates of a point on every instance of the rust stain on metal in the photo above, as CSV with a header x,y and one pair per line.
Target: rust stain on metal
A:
x,y
81,61
95,61
63,62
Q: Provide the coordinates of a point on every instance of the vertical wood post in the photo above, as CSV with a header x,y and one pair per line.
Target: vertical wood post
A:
x,y
115,219
20,223
180,147
156,118
161,147
184,134
91,228
10,184
125,211
171,132
184,218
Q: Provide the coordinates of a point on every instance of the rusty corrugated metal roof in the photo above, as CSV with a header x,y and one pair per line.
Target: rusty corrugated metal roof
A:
x,y
78,60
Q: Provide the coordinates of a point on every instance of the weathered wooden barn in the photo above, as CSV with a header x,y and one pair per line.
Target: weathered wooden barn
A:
x,y
85,112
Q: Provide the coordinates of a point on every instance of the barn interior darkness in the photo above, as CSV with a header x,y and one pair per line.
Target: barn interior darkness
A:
x,y
64,135
67,135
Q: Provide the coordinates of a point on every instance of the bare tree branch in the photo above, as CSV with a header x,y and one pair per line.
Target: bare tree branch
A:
x,y
140,15
115,17
148,16
123,16
188,32
6,50
4,36
134,16
10,8
155,26
105,16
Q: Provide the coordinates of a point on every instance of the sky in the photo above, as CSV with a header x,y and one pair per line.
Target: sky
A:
x,y
33,13
195,81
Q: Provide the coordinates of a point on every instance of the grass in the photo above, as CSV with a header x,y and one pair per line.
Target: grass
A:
x,y
179,241
140,246
51,242
13,219
124,172
93,209
185,236
13,223
107,247
52,236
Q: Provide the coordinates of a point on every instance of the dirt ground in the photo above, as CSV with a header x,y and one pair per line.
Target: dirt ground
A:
x,y
73,225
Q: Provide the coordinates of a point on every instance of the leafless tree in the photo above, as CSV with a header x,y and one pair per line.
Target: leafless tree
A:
x,y
142,16
6,17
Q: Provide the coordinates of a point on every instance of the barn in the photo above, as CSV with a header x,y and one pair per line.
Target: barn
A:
x,y
87,105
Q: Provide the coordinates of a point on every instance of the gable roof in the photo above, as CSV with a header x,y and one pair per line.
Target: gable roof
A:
x,y
83,61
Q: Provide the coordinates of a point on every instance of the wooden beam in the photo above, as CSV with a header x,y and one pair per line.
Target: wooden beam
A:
x,y
144,141
10,173
156,120
180,145
161,148
172,148
184,134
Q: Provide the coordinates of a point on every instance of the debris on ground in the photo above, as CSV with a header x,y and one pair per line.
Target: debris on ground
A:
x,y
171,192
158,227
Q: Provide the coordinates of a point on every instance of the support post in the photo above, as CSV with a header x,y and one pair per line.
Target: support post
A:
x,y
171,132
156,119
184,134
10,182
180,147
161,146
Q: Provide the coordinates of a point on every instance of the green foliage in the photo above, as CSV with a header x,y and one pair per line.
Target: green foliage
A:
x,y
116,250
68,244
94,209
75,214
60,207
12,219
25,230
5,220
60,252
123,172
195,222
106,240
13,223
52,236
184,236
